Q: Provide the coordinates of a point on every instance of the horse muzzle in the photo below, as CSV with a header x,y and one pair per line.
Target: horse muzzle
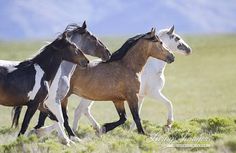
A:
x,y
170,58
83,63
106,57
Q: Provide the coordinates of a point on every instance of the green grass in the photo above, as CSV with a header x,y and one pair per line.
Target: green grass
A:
x,y
201,87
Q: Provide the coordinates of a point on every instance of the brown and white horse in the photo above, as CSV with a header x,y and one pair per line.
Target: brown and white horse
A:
x,y
28,82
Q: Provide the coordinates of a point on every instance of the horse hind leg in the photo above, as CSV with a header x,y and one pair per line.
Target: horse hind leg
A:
x,y
122,114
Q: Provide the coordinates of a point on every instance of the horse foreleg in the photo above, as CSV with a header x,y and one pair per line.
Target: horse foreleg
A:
x,y
133,105
33,106
122,114
140,104
55,107
78,112
84,108
41,120
87,113
70,132
170,117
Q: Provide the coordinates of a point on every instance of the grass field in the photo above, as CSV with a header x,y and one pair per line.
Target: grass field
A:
x,y
202,88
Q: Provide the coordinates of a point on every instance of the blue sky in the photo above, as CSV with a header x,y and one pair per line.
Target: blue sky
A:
x,y
27,19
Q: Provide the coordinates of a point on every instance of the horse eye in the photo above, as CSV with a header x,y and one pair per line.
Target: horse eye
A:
x,y
177,38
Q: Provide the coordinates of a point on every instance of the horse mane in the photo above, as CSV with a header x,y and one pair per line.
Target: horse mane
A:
x,y
70,28
32,60
120,53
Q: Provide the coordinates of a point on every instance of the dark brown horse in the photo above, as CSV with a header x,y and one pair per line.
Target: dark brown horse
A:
x,y
118,79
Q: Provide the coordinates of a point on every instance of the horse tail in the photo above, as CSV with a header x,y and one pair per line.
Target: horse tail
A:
x,y
15,114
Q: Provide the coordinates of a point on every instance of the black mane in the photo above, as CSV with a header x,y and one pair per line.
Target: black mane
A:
x,y
120,53
39,56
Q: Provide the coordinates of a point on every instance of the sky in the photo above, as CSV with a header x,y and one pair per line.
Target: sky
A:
x,y
34,19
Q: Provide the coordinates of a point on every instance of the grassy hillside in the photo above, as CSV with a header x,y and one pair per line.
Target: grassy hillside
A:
x,y
201,87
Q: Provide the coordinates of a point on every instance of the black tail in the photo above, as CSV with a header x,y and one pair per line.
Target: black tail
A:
x,y
15,114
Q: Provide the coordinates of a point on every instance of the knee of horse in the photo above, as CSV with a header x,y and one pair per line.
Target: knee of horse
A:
x,y
55,108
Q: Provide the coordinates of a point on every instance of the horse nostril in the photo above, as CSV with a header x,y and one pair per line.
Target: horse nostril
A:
x,y
170,58
188,51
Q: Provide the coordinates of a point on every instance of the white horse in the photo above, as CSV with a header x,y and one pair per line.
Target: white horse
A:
x,y
152,81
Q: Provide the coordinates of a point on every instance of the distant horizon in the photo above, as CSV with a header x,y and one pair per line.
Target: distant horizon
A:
x,y
29,19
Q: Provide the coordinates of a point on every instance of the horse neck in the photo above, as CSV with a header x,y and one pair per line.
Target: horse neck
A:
x,y
49,62
155,64
67,68
136,57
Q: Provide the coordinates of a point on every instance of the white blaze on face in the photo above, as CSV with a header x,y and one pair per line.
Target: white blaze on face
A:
x,y
38,77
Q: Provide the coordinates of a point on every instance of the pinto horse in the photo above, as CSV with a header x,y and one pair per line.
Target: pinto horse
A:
x,y
90,45
118,79
28,82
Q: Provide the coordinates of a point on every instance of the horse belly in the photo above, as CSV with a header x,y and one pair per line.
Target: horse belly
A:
x,y
10,99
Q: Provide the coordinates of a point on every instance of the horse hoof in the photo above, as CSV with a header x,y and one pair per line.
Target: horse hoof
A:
x,y
97,129
166,128
31,132
40,132
75,138
66,141
101,131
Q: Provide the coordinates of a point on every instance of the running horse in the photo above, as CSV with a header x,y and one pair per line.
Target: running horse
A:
x,y
152,81
118,79
28,82
90,45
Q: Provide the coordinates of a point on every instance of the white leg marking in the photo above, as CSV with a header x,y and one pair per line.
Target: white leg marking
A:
x,y
38,77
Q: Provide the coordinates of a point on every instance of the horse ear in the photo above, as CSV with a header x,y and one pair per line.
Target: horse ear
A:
x,y
64,35
84,26
171,30
153,32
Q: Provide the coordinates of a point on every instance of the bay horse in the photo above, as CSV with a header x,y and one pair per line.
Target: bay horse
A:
x,y
90,45
118,79
28,82
152,81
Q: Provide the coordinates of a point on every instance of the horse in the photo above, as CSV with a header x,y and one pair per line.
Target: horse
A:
x,y
28,82
118,79
89,44
152,81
